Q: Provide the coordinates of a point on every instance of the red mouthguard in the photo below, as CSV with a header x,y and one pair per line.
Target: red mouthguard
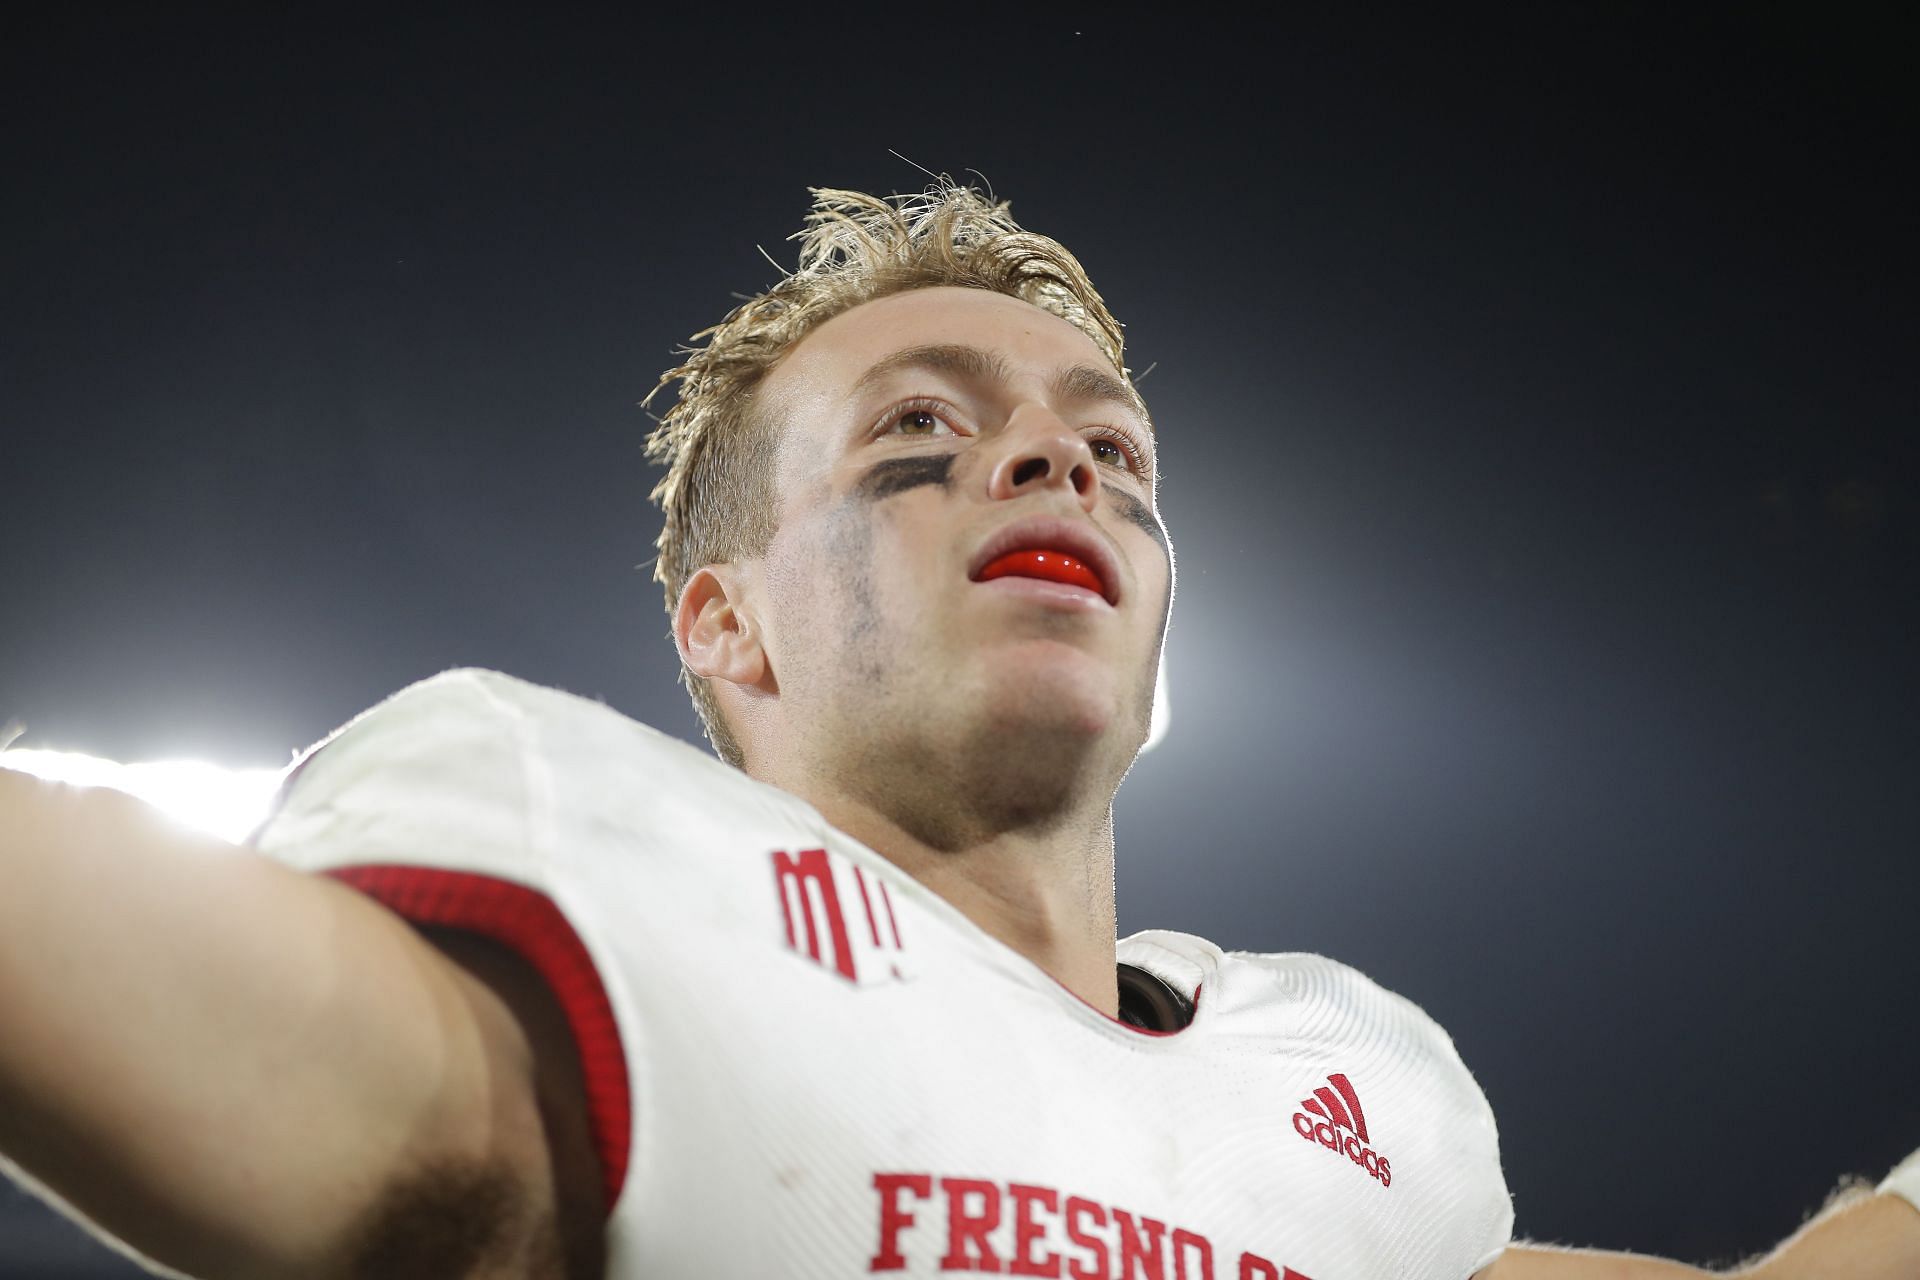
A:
x,y
1054,566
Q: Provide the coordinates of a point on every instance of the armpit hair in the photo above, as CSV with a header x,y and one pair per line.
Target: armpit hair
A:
x,y
459,1222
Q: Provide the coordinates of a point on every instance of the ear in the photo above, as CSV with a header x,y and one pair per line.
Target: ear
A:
x,y
716,631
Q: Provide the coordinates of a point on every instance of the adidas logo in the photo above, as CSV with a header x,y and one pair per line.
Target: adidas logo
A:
x,y
1341,1127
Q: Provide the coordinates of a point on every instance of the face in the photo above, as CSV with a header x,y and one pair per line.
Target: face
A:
x,y
925,435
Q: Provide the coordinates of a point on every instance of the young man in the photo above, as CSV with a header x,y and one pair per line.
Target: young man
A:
x,y
852,1005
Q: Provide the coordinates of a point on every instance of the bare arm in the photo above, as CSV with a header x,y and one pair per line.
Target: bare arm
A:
x,y
239,1069
1857,1236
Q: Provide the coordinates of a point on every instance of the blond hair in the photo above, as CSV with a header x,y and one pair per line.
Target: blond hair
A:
x,y
718,495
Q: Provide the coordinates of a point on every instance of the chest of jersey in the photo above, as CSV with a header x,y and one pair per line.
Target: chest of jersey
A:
x,y
837,1075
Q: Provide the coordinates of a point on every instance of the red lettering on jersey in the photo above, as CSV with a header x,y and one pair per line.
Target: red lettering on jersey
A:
x,y
1026,1231
886,900
1149,1261
1255,1267
1185,1242
1095,1268
1137,1248
791,877
866,900
896,1217
967,1247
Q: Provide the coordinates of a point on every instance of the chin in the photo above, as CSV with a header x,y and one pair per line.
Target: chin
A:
x,y
1057,700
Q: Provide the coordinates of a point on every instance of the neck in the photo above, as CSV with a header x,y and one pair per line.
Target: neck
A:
x,y
1047,893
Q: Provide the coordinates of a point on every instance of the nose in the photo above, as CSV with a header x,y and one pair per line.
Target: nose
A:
x,y
1039,453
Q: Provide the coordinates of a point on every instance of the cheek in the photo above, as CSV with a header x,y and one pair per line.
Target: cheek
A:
x,y
800,571
898,537
825,581
844,541
1156,576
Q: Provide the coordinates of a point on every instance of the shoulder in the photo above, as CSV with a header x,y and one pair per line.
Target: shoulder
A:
x,y
1264,979
1294,993
480,765
1309,980
1349,1002
472,723
1429,1112
1406,1056
444,803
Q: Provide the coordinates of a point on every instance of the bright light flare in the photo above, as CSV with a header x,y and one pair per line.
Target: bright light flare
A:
x,y
228,803
1162,712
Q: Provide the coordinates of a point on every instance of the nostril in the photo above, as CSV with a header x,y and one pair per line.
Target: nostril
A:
x,y
1028,470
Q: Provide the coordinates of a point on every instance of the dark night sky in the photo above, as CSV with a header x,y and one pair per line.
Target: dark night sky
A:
x,y
1539,438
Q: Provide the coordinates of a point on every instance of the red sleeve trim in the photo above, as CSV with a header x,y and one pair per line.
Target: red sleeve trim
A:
x,y
528,922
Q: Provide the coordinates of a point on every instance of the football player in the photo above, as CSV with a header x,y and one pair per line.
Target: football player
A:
x,y
524,988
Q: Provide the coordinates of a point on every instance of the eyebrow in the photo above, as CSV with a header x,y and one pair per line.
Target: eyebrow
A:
x,y
1082,383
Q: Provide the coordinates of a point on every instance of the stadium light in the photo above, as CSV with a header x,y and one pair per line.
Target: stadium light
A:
x,y
228,803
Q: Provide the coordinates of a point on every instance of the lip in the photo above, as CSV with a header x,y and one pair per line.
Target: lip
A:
x,y
1052,533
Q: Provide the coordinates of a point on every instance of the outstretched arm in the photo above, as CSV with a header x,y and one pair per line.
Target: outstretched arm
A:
x,y
236,1068
1857,1236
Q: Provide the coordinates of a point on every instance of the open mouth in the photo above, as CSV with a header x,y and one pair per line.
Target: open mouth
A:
x,y
1064,552
1052,566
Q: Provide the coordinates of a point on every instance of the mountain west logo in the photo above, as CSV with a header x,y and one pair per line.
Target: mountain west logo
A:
x,y
1341,1127
839,916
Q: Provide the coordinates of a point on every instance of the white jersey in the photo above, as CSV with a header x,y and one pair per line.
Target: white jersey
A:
x,y
802,1062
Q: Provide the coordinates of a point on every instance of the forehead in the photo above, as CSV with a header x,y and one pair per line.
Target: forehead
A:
x,y
811,385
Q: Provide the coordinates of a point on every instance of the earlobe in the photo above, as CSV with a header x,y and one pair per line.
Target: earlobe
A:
x,y
715,630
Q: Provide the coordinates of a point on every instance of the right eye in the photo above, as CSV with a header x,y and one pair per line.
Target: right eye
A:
x,y
917,420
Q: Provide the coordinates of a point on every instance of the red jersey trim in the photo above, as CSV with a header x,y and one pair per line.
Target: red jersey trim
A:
x,y
527,921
